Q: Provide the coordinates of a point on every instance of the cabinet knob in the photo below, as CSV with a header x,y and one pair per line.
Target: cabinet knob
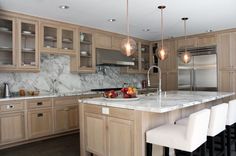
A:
x,y
10,106
39,103
40,114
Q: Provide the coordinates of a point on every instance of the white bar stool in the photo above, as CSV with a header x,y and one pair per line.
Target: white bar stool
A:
x,y
185,138
216,127
230,124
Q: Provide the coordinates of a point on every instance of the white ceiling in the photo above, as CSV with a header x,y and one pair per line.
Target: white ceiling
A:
x,y
203,14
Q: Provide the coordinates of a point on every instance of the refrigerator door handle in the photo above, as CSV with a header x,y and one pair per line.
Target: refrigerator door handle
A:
x,y
194,80
191,80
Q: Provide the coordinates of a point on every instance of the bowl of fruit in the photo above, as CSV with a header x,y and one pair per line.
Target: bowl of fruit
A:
x,y
110,94
129,92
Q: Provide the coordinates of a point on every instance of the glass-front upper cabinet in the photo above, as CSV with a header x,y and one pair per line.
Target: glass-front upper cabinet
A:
x,y
7,42
58,39
49,37
29,54
86,52
145,57
68,40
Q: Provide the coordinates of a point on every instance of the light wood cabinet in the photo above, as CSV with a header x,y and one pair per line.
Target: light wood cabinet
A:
x,y
103,41
19,44
206,40
116,43
39,123
120,137
7,42
28,47
189,43
66,114
110,133
12,127
85,60
95,128
57,38
226,50
66,118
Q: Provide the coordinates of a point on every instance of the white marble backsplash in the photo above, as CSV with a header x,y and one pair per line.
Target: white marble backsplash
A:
x,y
55,75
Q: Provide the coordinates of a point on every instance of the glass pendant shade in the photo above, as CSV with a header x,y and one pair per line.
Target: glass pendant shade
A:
x,y
186,57
162,54
128,46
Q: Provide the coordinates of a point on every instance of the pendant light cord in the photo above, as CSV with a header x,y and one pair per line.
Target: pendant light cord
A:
x,y
127,17
185,37
162,36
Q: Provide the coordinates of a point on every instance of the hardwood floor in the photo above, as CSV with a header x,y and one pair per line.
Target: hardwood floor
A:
x,y
61,146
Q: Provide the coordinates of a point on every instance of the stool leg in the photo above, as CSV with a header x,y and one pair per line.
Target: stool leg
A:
x,y
166,151
223,142
203,150
211,146
235,136
149,149
228,130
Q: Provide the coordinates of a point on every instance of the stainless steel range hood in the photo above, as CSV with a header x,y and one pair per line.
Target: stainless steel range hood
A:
x,y
112,58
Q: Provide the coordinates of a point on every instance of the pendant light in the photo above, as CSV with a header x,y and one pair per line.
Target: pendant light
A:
x,y
128,45
186,56
162,53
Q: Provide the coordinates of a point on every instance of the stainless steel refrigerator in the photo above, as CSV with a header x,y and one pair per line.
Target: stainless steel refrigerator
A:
x,y
201,73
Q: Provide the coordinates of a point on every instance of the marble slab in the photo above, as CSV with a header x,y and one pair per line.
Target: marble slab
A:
x,y
170,101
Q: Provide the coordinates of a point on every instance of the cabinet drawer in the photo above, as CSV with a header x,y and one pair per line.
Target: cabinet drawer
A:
x,y
113,112
121,113
89,108
11,106
39,103
62,101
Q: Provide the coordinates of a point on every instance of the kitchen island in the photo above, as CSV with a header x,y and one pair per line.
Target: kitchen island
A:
x,y
115,128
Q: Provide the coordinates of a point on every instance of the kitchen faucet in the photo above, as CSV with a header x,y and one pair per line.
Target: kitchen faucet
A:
x,y
159,71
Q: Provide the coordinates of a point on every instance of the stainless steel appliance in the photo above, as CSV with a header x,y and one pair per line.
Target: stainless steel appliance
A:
x,y
201,73
6,91
112,57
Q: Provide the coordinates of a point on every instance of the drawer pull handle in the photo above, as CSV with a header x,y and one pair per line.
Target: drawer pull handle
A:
x,y
39,103
40,115
10,106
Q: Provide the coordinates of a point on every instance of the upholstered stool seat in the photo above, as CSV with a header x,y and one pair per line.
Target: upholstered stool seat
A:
x,y
216,126
181,137
231,124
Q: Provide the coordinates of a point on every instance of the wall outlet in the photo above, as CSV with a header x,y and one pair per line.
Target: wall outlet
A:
x,y
105,110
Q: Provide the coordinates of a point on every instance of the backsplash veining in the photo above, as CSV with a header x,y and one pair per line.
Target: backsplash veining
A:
x,y
55,76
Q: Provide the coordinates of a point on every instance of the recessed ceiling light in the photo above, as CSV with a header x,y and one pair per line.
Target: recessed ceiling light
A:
x,y
64,7
111,20
146,30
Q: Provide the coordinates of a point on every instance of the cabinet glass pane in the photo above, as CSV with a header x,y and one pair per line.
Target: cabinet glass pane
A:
x,y
135,60
28,49
85,50
67,40
50,37
6,42
145,57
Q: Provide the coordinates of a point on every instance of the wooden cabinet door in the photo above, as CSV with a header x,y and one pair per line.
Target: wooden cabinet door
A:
x,y
116,43
12,127
120,137
8,48
95,133
103,41
190,42
171,83
233,49
66,118
28,44
223,51
40,123
171,62
206,41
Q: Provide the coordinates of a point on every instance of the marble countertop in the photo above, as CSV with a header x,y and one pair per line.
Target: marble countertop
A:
x,y
49,96
172,100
